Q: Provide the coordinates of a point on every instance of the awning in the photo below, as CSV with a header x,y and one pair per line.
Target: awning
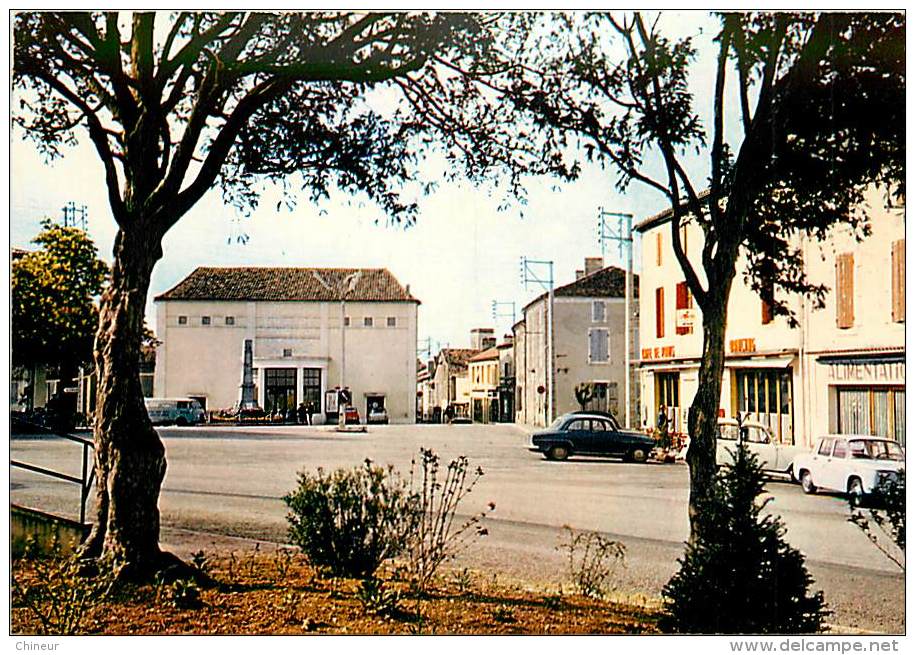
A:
x,y
668,366
870,358
762,362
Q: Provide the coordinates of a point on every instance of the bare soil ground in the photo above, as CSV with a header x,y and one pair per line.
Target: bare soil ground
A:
x,y
274,591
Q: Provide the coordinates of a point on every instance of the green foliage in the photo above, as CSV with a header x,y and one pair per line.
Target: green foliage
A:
x,y
54,316
58,595
741,576
884,519
200,561
376,598
592,560
503,614
437,538
350,521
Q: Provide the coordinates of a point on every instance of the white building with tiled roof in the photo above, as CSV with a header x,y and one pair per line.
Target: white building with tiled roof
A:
x,y
311,329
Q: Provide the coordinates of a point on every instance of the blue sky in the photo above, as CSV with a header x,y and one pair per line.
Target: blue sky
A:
x,y
459,256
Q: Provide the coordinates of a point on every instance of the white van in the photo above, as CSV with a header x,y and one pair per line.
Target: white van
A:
x,y
180,411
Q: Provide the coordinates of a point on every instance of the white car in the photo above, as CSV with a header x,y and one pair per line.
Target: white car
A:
x,y
773,457
849,464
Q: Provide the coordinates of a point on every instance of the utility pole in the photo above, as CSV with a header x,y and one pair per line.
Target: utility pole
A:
x,y
615,233
541,272
498,313
74,216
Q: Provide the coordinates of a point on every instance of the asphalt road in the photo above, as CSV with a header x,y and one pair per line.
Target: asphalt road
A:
x,y
231,481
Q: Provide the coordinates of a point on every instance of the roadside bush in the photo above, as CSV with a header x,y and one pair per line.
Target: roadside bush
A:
x,y
741,576
436,537
350,521
377,598
592,559
884,521
58,596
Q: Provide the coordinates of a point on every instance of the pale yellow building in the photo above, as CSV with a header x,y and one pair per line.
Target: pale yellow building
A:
x,y
842,370
484,386
312,330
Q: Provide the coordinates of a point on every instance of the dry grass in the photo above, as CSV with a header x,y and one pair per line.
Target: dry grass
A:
x,y
271,593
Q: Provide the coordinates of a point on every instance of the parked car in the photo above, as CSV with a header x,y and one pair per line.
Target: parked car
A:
x,y
351,415
850,464
377,415
774,457
180,411
590,433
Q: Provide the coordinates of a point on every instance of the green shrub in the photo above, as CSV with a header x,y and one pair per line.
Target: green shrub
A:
x,y
741,576
376,598
884,520
350,521
592,560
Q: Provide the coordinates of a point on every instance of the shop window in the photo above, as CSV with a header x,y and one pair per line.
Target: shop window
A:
x,y
311,387
845,290
392,321
898,281
204,320
684,301
279,390
659,311
368,321
182,320
598,311
874,411
766,394
230,320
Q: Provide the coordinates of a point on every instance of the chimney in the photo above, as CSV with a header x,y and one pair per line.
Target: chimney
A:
x,y
579,274
479,337
408,291
593,264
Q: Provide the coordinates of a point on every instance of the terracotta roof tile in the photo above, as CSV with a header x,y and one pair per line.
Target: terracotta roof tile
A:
x,y
288,284
489,353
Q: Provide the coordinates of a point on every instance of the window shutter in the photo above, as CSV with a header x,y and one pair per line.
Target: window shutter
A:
x,y
898,283
659,311
604,344
659,248
845,291
682,296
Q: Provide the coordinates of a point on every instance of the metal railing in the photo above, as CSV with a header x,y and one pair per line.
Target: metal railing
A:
x,y
87,476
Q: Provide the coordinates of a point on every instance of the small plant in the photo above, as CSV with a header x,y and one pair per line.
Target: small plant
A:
x,y
200,561
741,576
350,521
58,596
232,567
592,560
282,561
503,614
376,598
884,522
185,594
289,606
462,580
437,538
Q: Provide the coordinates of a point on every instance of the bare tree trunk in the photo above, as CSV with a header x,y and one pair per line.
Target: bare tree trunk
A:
x,y
703,413
130,457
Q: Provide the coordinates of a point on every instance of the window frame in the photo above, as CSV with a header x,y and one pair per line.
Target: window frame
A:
x,y
368,321
206,320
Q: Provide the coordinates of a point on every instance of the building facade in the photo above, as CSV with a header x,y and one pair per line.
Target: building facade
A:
x,y
588,328
842,370
484,384
312,330
451,383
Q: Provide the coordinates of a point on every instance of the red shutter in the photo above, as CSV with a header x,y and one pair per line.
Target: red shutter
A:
x,y
659,311
683,302
898,282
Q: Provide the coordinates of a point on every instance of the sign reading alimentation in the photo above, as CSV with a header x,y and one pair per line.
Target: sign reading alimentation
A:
x,y
866,371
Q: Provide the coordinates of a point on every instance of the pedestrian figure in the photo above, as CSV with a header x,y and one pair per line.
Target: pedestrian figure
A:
x,y
663,438
302,412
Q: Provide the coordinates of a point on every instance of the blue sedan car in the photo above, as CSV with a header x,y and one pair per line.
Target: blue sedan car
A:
x,y
593,434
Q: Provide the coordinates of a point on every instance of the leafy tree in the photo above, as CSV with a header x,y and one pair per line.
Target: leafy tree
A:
x,y
177,104
740,576
54,315
884,519
821,104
